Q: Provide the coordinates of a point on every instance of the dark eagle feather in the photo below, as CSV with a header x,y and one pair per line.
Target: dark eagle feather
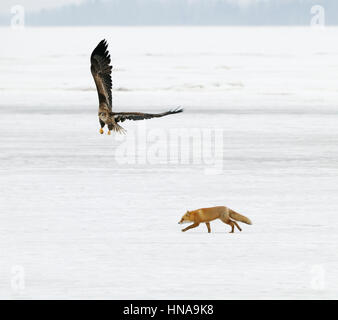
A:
x,y
101,71
122,116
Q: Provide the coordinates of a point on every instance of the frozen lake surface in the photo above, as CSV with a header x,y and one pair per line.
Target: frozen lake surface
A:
x,y
81,220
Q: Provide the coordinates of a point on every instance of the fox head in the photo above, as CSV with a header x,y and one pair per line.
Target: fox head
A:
x,y
186,218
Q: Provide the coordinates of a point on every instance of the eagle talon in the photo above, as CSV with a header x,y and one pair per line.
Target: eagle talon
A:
x,y
109,132
101,131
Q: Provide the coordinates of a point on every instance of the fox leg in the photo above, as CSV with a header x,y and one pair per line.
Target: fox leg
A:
x,y
208,226
229,222
236,224
232,226
190,227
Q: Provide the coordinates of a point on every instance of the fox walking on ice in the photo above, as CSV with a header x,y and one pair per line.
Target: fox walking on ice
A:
x,y
205,215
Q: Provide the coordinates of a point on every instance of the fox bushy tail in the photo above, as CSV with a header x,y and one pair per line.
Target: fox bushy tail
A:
x,y
238,217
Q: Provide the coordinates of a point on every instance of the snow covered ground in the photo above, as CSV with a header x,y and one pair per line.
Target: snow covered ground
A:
x,y
78,219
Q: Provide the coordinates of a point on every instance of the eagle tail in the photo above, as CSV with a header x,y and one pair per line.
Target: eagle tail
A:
x,y
117,128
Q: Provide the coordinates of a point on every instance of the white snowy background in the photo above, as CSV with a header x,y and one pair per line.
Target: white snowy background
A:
x,y
77,222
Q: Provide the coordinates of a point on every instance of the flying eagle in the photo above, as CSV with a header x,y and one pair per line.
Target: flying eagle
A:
x,y
101,71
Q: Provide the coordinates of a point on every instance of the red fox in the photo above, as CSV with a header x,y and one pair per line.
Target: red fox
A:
x,y
205,215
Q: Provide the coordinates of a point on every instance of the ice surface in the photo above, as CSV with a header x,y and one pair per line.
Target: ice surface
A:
x,y
83,224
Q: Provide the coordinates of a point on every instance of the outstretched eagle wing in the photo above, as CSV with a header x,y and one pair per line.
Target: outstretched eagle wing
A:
x,y
122,116
101,71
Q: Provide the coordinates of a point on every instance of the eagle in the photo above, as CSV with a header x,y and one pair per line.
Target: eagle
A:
x,y
101,71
